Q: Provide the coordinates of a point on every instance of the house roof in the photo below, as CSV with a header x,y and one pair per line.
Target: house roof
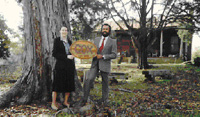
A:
x,y
135,25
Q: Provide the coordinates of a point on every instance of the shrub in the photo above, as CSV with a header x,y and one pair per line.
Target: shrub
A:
x,y
196,53
197,61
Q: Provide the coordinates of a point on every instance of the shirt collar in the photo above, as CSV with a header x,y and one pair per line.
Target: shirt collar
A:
x,y
104,37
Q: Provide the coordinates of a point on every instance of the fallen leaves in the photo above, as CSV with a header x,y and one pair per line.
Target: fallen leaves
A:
x,y
179,96
27,110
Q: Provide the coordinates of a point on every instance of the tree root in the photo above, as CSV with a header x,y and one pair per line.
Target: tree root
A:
x,y
7,97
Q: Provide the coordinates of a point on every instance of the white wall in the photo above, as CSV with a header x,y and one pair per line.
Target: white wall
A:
x,y
195,42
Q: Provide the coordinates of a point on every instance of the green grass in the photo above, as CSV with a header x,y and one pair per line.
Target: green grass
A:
x,y
140,100
120,100
172,68
165,60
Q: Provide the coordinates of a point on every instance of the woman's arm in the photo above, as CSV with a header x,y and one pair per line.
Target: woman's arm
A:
x,y
57,53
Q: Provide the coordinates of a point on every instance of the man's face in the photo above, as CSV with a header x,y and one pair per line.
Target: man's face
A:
x,y
63,32
105,30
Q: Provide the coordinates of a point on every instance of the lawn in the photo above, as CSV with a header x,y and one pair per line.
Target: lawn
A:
x,y
179,96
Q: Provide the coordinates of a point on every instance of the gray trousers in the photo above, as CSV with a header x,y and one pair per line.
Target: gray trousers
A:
x,y
90,77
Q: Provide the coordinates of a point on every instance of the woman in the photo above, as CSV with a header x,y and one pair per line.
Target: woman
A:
x,y
64,68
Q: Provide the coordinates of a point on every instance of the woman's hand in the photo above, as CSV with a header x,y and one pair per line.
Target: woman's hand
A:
x,y
70,57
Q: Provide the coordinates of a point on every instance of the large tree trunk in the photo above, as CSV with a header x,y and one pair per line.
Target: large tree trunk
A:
x,y
142,63
42,22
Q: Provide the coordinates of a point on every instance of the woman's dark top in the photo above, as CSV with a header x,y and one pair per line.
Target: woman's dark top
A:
x,y
63,80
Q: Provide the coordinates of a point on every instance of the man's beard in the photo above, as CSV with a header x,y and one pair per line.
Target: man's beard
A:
x,y
105,34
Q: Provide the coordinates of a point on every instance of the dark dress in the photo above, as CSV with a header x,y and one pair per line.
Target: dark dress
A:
x,y
63,80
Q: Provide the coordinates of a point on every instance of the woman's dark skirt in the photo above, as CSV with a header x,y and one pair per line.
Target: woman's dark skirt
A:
x,y
63,80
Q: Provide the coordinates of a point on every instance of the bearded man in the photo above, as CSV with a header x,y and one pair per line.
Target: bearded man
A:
x,y
107,50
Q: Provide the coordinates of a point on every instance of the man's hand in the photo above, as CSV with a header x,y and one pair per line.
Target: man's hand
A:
x,y
99,56
70,56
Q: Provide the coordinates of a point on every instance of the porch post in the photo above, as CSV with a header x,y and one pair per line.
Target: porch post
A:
x,y
161,43
181,49
186,48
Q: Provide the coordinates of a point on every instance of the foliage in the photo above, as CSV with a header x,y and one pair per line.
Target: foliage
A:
x,y
187,22
191,68
86,15
4,40
185,35
196,53
187,13
17,47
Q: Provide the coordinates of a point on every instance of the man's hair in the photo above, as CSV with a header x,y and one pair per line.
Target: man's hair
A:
x,y
106,25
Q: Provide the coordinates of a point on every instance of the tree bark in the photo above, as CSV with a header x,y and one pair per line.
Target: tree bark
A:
x,y
142,63
135,47
42,22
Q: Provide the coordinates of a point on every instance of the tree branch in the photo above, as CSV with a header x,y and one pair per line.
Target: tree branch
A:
x,y
123,19
161,19
125,10
137,6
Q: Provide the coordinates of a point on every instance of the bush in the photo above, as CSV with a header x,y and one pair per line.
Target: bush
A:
x,y
197,61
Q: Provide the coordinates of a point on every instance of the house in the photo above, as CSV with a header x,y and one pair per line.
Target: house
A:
x,y
167,43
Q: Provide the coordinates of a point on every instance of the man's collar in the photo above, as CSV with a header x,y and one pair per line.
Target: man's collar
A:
x,y
105,37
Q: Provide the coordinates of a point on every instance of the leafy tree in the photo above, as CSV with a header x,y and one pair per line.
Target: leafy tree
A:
x,y
188,18
185,35
86,16
196,53
188,14
17,47
4,40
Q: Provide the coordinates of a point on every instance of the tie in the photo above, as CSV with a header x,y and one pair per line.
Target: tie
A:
x,y
102,45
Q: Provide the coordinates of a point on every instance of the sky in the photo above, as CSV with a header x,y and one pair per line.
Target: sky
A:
x,y
13,14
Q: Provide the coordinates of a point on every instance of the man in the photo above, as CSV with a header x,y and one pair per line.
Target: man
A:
x,y
107,50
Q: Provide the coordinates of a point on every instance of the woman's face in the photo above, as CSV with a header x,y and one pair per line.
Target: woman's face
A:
x,y
63,32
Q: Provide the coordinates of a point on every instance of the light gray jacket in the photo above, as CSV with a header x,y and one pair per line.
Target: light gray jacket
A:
x,y
109,52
